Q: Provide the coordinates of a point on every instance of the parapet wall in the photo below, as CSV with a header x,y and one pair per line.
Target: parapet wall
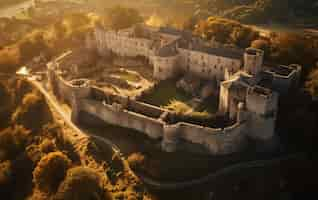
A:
x,y
115,115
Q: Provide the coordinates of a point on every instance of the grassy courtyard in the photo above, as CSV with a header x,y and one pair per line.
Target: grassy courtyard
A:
x,y
167,95
164,93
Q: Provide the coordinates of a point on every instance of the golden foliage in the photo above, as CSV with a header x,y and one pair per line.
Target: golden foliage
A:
x,y
225,31
119,17
182,109
5,172
81,183
136,161
13,140
50,171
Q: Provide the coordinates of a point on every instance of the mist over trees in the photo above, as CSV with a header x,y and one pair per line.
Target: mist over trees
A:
x,y
120,17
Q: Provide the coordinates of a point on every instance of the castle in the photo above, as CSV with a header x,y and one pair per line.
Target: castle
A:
x,y
248,88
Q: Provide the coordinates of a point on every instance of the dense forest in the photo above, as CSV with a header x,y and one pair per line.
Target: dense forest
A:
x,y
252,11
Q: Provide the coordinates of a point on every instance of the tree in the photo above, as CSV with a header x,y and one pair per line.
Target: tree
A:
x,y
120,17
33,113
5,173
225,31
262,44
50,171
9,59
82,183
136,161
312,83
48,146
13,141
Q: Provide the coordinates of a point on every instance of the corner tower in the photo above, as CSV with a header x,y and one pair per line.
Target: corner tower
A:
x,y
253,60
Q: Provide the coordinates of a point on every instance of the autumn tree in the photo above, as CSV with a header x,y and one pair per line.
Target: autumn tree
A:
x,y
312,83
50,171
33,113
82,183
136,161
225,31
13,141
263,45
120,17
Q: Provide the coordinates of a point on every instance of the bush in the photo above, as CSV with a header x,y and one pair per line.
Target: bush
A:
x,y
50,171
81,183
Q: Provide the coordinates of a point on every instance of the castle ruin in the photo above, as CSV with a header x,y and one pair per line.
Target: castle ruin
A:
x,y
248,91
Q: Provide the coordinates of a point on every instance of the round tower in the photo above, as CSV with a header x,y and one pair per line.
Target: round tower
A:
x,y
253,60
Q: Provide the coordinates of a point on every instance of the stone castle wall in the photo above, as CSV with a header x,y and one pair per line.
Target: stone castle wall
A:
x,y
206,65
121,117
144,118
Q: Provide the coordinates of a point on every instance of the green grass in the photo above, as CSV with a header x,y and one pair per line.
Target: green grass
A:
x,y
164,93
127,76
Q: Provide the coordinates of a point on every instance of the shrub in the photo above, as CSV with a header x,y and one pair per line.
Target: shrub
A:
x,y
81,183
50,171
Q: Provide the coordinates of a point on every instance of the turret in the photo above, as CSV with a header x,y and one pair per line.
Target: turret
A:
x,y
253,60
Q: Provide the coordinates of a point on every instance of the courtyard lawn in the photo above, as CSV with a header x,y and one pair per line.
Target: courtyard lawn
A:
x,y
129,76
164,93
